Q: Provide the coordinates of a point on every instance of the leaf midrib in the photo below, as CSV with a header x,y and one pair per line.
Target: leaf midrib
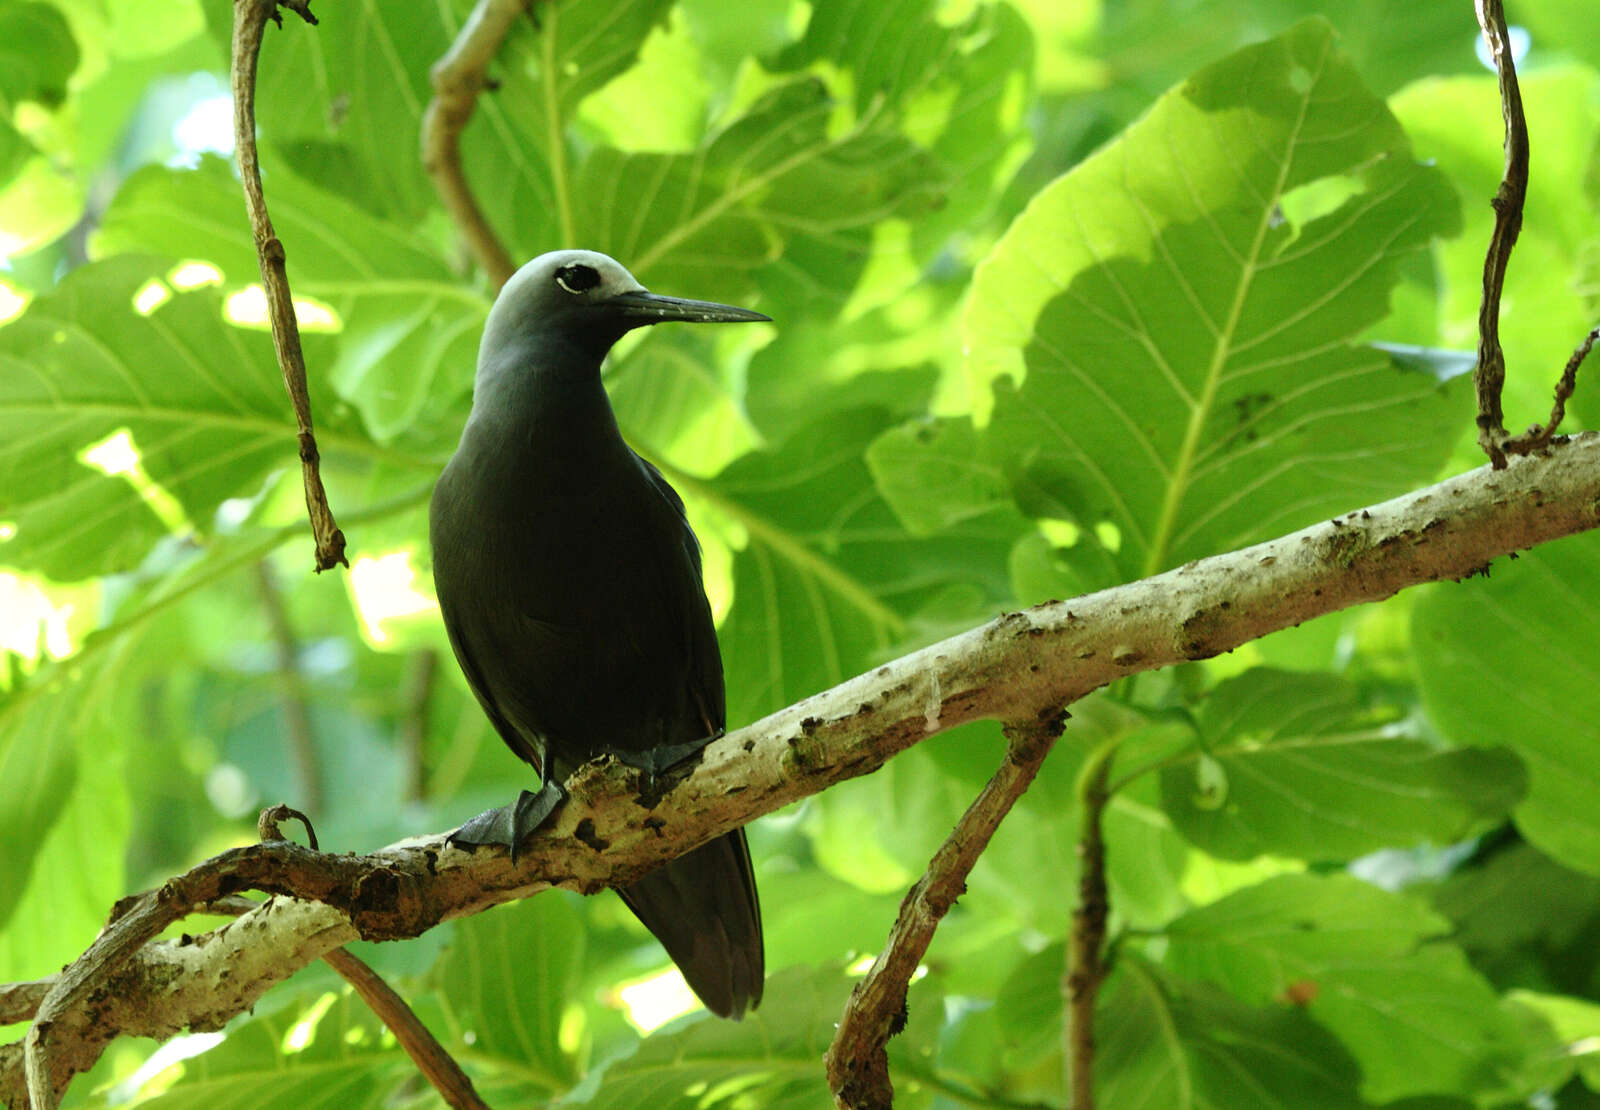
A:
x,y
1156,556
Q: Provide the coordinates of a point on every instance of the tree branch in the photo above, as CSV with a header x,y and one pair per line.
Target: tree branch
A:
x,y
437,1065
249,22
300,737
1018,666
1086,968
858,1060
458,78
1490,376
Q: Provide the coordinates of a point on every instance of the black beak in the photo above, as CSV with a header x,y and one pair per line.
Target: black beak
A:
x,y
652,308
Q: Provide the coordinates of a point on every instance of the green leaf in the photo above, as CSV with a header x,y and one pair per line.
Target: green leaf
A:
x,y
1293,764
676,393
1178,316
954,84
409,328
37,756
769,1059
37,54
777,189
64,816
509,979
931,473
331,245
327,1051
1576,1022
1166,1042
1368,966
1522,918
826,582
201,400
1510,660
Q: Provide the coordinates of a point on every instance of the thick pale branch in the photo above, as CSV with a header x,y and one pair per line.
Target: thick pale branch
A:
x,y
1013,668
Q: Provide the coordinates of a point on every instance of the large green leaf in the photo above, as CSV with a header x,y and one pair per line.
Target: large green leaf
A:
x,y
1171,327
201,399
777,187
38,758
1165,1042
409,328
332,246
1293,764
507,980
1523,918
344,100
826,582
319,1052
955,81
1367,965
772,1058
1511,659
37,56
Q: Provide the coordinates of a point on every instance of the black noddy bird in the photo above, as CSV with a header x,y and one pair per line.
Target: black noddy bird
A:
x,y
570,584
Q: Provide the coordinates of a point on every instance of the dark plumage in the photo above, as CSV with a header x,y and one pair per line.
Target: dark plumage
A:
x,y
570,585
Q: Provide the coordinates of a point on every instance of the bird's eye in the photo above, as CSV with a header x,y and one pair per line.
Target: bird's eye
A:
x,y
577,278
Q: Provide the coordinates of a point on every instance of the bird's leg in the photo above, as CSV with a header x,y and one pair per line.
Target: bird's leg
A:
x,y
510,825
657,761
671,763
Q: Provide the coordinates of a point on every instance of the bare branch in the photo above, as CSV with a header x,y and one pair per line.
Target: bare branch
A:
x,y
249,21
301,739
1017,667
1536,437
1086,967
413,726
858,1059
423,1047
458,78
1490,376
20,1001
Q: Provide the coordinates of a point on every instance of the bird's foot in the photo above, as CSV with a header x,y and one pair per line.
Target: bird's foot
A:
x,y
661,769
510,825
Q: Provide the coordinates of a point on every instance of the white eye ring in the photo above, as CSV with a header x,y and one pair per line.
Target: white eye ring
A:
x,y
587,278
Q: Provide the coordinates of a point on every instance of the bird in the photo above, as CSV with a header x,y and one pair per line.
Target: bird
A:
x,y
570,586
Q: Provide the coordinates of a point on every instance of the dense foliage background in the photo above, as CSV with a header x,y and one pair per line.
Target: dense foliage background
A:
x,y
1042,325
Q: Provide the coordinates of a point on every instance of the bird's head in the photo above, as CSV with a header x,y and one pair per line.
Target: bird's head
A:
x,y
590,300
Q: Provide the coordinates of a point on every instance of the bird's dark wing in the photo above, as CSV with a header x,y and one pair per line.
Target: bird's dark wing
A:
x,y
526,749
706,658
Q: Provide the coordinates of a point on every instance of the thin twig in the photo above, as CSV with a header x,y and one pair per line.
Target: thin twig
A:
x,y
458,78
249,22
267,827
1538,437
1086,965
413,726
1490,375
419,1043
858,1061
300,737
20,1001
440,1068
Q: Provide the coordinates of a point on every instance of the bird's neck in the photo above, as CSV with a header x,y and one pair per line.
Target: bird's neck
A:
x,y
537,405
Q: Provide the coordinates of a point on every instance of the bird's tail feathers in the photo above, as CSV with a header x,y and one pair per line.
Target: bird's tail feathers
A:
x,y
702,907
